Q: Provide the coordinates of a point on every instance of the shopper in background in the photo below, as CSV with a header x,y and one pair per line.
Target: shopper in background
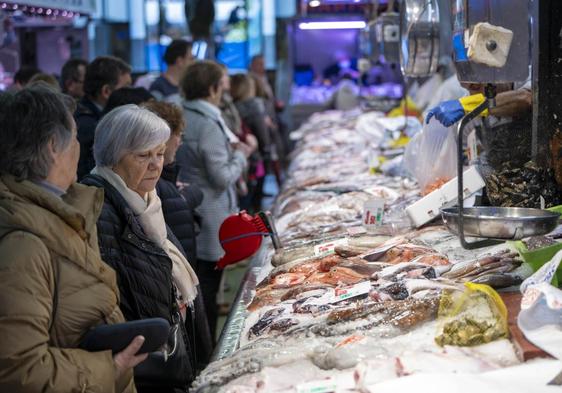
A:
x,y
178,207
229,112
127,95
232,119
346,95
72,78
177,58
213,161
47,79
251,110
263,89
257,69
55,287
253,115
22,77
277,150
154,277
104,75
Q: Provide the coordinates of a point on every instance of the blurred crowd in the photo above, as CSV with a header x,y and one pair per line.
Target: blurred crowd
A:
x,y
111,199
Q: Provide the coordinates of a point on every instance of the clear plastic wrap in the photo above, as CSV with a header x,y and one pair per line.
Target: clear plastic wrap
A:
x,y
431,156
540,318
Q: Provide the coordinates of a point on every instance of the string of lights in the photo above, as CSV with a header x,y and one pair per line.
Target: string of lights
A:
x,y
38,11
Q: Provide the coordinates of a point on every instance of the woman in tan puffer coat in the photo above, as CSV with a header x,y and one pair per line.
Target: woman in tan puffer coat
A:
x,y
54,286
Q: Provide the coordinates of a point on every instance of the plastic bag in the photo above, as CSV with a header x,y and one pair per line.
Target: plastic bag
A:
x,y
540,318
431,156
473,317
371,130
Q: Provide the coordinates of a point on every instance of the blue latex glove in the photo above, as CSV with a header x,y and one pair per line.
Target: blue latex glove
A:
x,y
447,112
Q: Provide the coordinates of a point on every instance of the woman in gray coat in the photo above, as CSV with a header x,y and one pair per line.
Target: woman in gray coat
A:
x,y
213,159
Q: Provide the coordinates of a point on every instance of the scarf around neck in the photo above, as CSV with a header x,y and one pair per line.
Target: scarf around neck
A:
x,y
149,213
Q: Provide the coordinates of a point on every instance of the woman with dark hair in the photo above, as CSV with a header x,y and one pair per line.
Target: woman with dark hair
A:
x,y
213,159
127,95
55,287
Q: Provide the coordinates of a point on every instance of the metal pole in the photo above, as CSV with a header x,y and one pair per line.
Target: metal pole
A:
x,y
489,102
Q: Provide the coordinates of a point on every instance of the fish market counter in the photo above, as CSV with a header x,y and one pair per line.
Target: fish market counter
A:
x,y
232,330
395,308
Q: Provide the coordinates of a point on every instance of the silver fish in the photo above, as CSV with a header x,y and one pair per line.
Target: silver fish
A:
x,y
465,268
498,280
417,285
393,270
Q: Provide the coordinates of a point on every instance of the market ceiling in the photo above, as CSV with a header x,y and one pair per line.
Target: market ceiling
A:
x,y
75,6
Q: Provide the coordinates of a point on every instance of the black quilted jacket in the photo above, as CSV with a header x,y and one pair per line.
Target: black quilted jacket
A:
x,y
179,210
144,270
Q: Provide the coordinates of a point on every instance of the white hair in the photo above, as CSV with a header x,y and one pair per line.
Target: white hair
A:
x,y
127,129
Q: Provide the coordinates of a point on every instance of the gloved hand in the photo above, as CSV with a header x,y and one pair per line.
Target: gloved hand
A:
x,y
449,112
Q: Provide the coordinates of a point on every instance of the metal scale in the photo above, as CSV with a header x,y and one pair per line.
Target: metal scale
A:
x,y
385,33
419,41
498,52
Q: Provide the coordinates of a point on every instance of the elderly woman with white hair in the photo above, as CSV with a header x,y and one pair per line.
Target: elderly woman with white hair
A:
x,y
153,275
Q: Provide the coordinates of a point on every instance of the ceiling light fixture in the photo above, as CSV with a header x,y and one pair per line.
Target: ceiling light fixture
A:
x,y
332,25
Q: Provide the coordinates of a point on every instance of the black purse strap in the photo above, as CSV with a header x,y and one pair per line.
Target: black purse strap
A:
x,y
179,324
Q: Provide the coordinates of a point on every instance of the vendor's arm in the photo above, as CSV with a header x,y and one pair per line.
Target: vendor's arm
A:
x,y
513,103
450,112
510,103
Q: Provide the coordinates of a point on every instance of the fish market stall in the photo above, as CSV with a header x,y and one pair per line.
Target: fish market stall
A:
x,y
230,336
358,300
380,284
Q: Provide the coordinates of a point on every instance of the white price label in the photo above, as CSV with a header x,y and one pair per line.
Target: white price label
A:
x,y
373,211
361,288
328,248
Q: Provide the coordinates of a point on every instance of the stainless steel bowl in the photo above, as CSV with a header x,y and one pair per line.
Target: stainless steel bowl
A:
x,y
504,223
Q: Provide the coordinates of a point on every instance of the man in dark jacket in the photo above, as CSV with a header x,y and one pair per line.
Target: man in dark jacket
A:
x,y
72,78
177,57
103,75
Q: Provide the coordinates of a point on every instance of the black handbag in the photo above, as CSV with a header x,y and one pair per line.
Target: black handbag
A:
x,y
118,336
172,368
